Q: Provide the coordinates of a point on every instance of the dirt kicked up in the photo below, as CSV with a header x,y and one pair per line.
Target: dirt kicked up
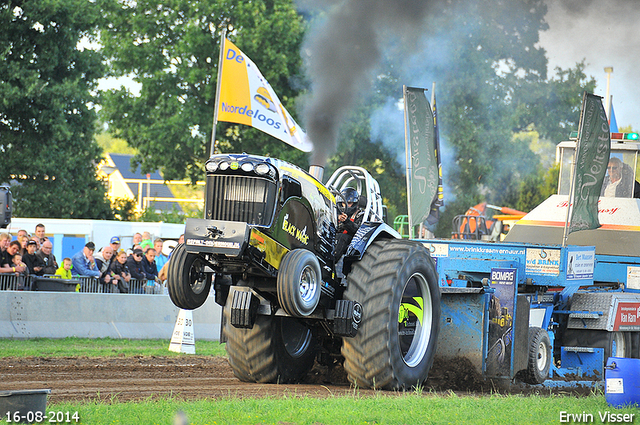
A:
x,y
107,379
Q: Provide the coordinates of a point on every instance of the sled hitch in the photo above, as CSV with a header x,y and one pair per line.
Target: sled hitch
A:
x,y
347,318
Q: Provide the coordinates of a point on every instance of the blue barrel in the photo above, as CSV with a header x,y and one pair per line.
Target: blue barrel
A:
x,y
622,381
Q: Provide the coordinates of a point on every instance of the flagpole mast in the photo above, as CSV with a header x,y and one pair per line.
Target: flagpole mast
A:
x,y
223,37
574,172
407,151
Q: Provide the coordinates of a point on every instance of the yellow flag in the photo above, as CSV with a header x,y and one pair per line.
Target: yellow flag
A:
x,y
247,98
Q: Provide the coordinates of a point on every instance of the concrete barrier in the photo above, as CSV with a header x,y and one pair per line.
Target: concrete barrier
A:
x,y
25,314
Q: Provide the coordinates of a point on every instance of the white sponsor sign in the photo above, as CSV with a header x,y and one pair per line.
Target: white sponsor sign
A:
x,y
543,261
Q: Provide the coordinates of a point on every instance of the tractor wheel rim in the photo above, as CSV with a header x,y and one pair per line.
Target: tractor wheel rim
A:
x,y
296,337
541,362
197,277
308,285
415,320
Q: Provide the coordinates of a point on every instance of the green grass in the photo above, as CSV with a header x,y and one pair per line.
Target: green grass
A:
x,y
384,408
74,347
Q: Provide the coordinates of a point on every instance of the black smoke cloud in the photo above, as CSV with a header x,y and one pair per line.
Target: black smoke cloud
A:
x,y
342,50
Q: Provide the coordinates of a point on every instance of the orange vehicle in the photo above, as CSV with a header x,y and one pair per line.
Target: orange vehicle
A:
x,y
476,223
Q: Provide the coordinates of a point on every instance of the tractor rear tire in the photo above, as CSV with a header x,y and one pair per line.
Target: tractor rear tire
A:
x,y
276,350
397,285
299,283
539,360
188,284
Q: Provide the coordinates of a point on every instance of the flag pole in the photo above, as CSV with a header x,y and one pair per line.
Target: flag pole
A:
x,y
223,37
407,151
574,171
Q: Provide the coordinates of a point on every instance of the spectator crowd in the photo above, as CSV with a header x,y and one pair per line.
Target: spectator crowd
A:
x,y
113,266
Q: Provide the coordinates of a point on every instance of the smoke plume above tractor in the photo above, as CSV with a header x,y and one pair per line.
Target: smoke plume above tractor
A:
x,y
342,50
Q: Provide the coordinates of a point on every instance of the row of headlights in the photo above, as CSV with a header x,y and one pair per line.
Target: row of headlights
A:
x,y
261,168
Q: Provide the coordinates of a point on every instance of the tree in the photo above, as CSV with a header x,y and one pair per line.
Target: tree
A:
x,y
552,106
46,118
492,84
172,51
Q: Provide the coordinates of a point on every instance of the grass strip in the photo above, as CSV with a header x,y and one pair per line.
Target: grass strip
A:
x,y
98,347
412,408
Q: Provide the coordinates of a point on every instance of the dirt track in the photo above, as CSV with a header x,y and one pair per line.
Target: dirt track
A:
x,y
196,377
135,378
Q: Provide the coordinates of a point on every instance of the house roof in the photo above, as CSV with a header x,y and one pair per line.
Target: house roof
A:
x,y
123,163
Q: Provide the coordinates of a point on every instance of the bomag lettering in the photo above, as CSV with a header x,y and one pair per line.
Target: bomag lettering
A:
x,y
502,275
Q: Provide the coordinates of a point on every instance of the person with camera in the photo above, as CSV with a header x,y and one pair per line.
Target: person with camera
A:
x,y
47,258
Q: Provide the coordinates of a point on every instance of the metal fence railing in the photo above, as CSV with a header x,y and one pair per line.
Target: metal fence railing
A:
x,y
14,282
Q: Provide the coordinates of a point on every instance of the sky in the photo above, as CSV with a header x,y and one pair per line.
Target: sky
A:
x,y
604,33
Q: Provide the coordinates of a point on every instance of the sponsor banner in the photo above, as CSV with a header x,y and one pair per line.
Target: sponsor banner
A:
x,y
580,264
247,98
633,277
437,249
421,155
543,261
501,312
484,250
213,243
592,158
627,317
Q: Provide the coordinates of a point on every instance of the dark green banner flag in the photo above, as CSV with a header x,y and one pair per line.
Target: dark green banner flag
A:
x,y
592,158
422,164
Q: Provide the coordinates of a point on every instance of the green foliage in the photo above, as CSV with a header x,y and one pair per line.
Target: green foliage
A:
x,y
553,106
491,74
124,209
536,188
172,50
174,216
46,118
493,94
111,144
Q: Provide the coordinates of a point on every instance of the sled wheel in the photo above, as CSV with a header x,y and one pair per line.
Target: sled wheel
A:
x,y
615,344
299,283
276,350
187,282
620,344
635,345
539,360
397,285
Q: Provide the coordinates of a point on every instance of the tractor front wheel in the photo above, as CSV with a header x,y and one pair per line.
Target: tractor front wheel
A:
x,y
188,283
299,283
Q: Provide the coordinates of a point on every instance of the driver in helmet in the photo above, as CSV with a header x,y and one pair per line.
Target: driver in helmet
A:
x,y
349,220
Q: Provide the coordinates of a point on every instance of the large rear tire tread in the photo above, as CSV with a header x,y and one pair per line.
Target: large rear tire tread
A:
x,y
180,276
259,355
373,358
